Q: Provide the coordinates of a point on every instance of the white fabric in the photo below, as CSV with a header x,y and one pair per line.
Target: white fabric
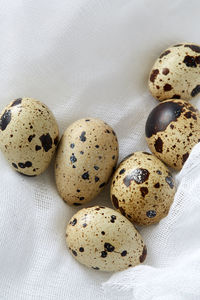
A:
x,y
92,58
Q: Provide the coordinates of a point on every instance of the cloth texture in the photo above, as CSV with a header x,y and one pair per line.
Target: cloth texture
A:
x,y
91,58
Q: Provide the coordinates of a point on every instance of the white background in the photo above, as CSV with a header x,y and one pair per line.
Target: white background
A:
x,y
91,58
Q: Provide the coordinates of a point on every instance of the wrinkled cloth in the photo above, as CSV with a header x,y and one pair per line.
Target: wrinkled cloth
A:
x,y
91,58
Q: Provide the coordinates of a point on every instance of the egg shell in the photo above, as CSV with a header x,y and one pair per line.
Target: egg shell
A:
x,y
172,129
102,239
86,157
142,188
176,73
28,135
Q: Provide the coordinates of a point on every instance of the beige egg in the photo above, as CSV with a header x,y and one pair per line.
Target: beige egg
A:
x,y
102,239
172,130
176,73
86,157
142,188
28,135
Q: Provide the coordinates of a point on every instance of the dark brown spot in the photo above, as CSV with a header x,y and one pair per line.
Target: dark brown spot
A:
x,y
46,141
16,102
81,198
76,204
188,114
167,87
138,175
84,225
103,254
83,137
102,185
165,71
159,172
74,252
194,117
81,249
103,232
73,158
176,96
144,254
144,191
124,253
95,268
172,126
159,145
157,185
109,247
5,119
151,213
161,116
195,91
96,178
96,168
37,148
113,218
194,48
115,201
85,176
31,137
190,61
14,165
185,157
165,53
122,171
27,164
73,223
170,181
153,75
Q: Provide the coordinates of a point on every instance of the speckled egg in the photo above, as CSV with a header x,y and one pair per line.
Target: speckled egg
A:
x,y
28,135
176,73
102,239
172,129
142,188
86,157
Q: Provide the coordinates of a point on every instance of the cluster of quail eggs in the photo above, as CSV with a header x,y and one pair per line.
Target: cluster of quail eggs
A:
x,y
142,187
